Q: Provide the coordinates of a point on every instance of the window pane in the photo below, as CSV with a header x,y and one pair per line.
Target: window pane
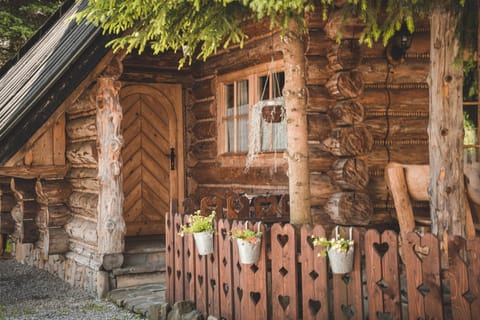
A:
x,y
242,138
280,135
229,105
242,97
266,135
278,84
263,89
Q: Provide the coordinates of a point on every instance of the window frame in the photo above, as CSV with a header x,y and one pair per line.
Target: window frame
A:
x,y
252,74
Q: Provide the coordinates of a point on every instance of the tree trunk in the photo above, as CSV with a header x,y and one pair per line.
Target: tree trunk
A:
x,y
296,107
111,226
445,129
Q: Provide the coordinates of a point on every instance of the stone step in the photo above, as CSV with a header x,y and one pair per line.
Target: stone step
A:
x,y
126,280
153,258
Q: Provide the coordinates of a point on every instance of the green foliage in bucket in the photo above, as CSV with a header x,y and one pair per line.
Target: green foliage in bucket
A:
x,y
198,223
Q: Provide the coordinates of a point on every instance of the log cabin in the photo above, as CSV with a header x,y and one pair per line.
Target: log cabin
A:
x,y
95,145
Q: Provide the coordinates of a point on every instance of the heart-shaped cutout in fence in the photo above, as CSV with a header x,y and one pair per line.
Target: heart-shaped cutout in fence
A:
x,y
240,293
348,310
284,301
381,248
255,296
282,239
200,280
421,251
189,276
314,306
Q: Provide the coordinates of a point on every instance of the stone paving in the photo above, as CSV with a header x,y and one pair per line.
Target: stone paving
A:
x,y
147,300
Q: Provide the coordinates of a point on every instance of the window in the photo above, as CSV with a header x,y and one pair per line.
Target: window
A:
x,y
471,108
237,94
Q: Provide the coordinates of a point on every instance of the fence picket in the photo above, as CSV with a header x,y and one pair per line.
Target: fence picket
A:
x,y
458,276
473,249
225,269
284,272
314,276
201,279
178,259
213,277
169,255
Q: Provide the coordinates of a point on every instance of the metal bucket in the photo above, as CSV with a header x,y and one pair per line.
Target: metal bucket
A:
x,y
203,242
341,262
248,252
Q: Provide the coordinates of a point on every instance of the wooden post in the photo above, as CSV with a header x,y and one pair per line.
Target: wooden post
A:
x,y
445,128
110,224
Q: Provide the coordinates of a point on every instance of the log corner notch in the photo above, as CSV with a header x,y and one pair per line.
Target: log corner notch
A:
x,y
110,224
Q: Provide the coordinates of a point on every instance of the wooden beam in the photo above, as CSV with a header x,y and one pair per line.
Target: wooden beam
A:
x,y
43,172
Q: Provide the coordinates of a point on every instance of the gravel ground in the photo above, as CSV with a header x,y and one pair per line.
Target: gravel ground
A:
x,y
29,293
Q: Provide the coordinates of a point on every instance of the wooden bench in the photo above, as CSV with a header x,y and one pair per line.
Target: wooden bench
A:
x,y
410,182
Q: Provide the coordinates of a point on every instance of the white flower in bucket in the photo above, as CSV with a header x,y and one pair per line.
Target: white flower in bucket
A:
x,y
249,243
340,251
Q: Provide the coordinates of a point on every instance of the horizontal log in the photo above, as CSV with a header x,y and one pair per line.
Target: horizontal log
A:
x,y
212,174
55,241
318,126
30,232
87,202
82,128
83,230
80,173
404,153
149,76
419,49
345,84
82,153
30,209
318,99
348,141
89,185
350,208
112,261
315,20
397,128
319,216
53,216
346,112
350,174
376,70
344,55
204,150
53,191
204,110
317,43
92,262
318,159
378,101
348,29
203,89
317,71
321,189
223,191
85,103
42,172
204,130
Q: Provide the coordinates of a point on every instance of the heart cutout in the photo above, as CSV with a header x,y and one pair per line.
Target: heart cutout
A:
x,y
179,274
240,293
224,233
421,251
314,306
200,280
282,239
348,310
384,316
213,284
255,296
189,276
381,248
284,301
226,288
309,240
169,271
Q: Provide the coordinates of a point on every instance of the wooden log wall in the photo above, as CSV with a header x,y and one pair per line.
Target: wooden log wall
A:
x,y
374,113
207,174
81,130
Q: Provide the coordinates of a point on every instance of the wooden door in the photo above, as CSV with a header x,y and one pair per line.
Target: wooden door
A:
x,y
152,128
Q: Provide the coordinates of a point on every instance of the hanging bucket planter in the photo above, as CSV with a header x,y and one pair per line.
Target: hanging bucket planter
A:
x,y
341,261
249,243
203,242
273,111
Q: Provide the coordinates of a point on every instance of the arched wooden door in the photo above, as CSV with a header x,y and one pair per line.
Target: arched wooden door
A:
x,y
152,128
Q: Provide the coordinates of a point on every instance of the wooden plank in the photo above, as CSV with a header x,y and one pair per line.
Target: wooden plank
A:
x,y
189,271
213,277
43,149
314,275
284,273
225,254
179,256
170,253
201,298
59,141
355,288
373,269
431,277
238,293
473,249
411,242
391,295
458,276
41,172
